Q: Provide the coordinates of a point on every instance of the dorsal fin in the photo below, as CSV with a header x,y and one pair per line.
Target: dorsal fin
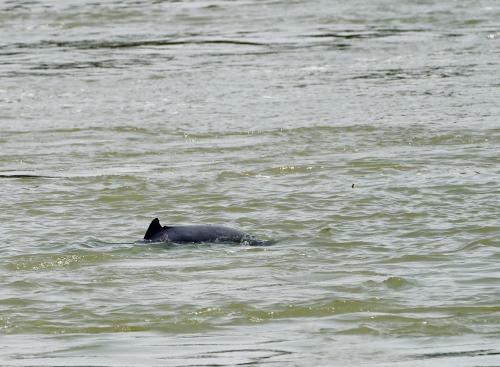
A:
x,y
153,228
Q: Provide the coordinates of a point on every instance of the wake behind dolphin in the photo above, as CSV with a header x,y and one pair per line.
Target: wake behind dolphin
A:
x,y
197,233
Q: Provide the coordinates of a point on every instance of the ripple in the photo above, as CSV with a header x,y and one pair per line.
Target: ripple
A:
x,y
38,262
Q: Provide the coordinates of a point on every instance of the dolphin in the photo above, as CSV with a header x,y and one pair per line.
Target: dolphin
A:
x,y
196,234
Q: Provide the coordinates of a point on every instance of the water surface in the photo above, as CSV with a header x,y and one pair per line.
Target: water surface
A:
x,y
361,137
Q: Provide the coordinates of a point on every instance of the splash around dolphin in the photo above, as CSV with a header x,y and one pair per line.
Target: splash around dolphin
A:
x,y
197,234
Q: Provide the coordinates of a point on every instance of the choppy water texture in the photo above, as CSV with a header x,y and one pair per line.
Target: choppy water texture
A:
x,y
362,137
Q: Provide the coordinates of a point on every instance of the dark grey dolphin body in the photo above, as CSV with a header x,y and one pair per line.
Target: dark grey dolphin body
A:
x,y
195,233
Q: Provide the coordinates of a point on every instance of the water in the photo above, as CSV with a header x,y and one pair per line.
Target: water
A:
x,y
361,137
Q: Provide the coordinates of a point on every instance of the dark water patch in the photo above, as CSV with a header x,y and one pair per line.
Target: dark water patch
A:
x,y
75,65
341,46
98,44
355,34
104,64
452,35
24,74
436,72
469,353
25,176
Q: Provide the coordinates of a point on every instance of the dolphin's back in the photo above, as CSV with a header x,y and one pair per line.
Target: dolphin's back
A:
x,y
193,233
202,233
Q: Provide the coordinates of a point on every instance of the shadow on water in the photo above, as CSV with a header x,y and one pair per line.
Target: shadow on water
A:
x,y
251,242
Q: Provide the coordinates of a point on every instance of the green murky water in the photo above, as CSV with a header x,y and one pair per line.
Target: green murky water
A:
x,y
362,138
